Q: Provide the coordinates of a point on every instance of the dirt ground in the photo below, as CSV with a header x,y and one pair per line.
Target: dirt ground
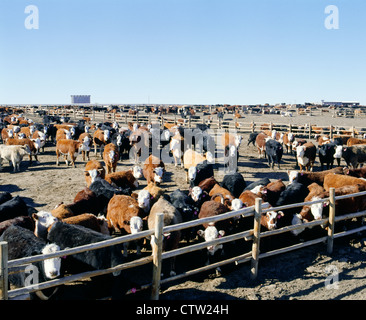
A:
x,y
306,274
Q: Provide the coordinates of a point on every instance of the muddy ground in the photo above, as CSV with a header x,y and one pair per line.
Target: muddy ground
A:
x,y
301,274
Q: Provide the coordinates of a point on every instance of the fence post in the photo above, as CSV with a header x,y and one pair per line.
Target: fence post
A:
x,y
3,270
309,130
331,220
256,237
157,248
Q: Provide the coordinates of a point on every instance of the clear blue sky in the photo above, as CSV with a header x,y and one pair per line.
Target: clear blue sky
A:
x,y
182,51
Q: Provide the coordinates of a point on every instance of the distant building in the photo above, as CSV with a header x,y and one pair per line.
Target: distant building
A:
x,y
341,103
80,99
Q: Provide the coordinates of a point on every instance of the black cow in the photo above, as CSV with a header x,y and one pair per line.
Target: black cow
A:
x,y
326,155
23,243
294,193
234,182
354,155
274,151
13,208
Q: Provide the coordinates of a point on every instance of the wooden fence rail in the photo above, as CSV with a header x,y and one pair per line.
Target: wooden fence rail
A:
x,y
254,235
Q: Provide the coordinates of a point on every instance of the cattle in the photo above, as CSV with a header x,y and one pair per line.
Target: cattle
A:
x,y
177,148
260,142
234,182
322,139
21,221
358,173
105,191
171,216
339,180
191,160
124,215
294,193
153,170
139,142
67,147
307,178
342,206
306,155
23,243
15,154
288,140
43,220
64,134
5,196
89,220
354,141
268,219
260,182
124,179
225,195
207,184
12,208
231,139
311,212
252,138
354,155
326,155
188,210
274,151
100,137
86,140
198,196
155,191
34,145
110,157
272,191
93,169
213,230
70,236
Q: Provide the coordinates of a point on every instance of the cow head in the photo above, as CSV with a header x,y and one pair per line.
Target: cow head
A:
x,y
269,219
136,224
43,220
236,204
292,175
192,173
144,198
158,175
137,172
196,193
51,266
94,173
211,233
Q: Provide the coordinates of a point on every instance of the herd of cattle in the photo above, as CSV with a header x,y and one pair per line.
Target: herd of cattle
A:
x,y
112,203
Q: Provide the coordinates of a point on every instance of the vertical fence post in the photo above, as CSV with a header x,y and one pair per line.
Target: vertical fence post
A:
x,y
157,248
331,220
3,270
256,237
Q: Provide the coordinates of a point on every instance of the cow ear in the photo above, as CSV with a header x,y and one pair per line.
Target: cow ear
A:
x,y
34,216
201,233
221,233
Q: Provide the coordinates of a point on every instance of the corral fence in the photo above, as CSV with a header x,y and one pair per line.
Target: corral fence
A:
x,y
306,130
255,235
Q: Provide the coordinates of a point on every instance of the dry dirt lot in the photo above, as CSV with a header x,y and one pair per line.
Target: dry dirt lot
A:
x,y
301,274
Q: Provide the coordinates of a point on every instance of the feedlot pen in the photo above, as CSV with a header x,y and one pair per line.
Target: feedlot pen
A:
x,y
259,245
